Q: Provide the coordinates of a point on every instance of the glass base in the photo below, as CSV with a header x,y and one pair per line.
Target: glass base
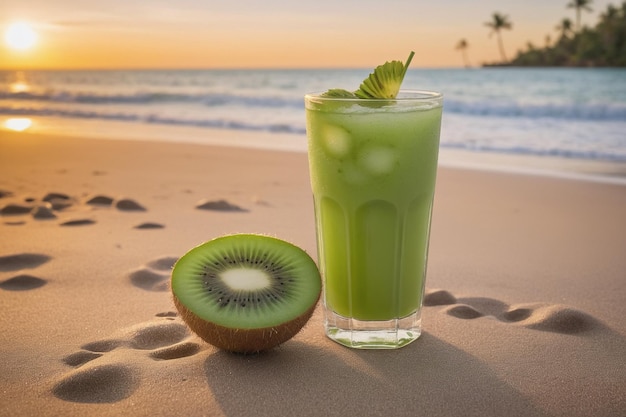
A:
x,y
387,334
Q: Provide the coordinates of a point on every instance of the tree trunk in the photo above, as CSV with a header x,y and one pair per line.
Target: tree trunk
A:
x,y
501,46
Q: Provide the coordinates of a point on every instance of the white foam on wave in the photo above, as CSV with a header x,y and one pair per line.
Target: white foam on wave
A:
x,y
511,109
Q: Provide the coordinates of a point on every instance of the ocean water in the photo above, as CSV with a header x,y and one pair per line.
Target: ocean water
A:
x,y
565,113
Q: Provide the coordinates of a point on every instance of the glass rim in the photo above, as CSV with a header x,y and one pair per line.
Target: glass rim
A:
x,y
415,95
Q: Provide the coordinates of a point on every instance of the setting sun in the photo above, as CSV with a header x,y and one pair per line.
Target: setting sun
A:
x,y
20,36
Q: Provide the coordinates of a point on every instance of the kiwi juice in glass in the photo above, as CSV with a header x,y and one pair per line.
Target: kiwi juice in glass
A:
x,y
373,164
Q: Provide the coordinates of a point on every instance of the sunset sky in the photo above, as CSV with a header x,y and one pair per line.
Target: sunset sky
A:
x,y
272,33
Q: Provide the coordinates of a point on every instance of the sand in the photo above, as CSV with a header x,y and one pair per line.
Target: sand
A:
x,y
524,314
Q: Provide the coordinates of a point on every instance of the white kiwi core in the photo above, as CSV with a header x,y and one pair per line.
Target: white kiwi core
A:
x,y
245,279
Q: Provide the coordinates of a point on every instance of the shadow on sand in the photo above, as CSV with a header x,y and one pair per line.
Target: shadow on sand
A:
x,y
429,377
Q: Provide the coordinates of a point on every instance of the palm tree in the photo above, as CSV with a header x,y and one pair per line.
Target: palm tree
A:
x,y
565,27
462,46
579,5
611,13
498,23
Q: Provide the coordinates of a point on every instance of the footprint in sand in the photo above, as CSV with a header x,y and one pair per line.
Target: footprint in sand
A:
x,y
53,204
58,201
39,209
17,262
218,205
537,316
154,275
123,204
100,201
43,212
109,370
22,261
5,193
149,225
78,222
127,204
15,223
15,209
22,282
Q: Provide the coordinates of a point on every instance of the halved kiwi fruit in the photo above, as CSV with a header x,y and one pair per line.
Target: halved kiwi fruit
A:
x,y
245,292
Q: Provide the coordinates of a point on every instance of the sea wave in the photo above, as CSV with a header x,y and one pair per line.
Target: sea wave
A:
x,y
493,108
139,98
597,155
220,123
576,111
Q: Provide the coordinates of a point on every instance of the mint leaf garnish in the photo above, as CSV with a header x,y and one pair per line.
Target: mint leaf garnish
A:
x,y
385,81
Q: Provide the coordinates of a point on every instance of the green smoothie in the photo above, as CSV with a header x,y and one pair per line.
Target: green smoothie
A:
x,y
373,165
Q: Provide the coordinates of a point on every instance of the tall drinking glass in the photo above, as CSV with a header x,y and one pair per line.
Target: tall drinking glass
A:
x,y
373,165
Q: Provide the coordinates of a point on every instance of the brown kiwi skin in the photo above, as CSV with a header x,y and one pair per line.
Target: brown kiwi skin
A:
x,y
246,341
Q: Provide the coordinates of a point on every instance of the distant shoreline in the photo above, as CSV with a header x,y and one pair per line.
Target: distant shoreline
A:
x,y
511,65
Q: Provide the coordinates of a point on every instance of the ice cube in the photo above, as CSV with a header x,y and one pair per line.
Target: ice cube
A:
x,y
377,160
337,141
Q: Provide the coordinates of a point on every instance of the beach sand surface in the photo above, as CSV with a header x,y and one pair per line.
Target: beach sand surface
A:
x,y
524,313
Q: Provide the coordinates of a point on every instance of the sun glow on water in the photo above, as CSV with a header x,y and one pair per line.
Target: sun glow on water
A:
x,y
19,87
18,124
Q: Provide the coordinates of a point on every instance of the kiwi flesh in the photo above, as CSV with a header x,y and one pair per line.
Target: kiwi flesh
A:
x,y
246,293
